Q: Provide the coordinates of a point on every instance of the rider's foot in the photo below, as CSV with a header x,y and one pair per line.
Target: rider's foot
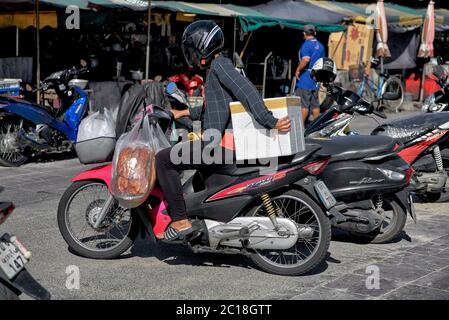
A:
x,y
181,225
178,230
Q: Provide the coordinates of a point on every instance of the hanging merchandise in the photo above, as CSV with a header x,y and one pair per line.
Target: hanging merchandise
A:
x,y
134,173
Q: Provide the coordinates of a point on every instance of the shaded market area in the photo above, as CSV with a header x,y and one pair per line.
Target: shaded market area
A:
x,y
303,143
112,35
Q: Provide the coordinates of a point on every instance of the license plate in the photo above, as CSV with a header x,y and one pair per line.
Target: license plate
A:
x,y
412,207
325,195
12,260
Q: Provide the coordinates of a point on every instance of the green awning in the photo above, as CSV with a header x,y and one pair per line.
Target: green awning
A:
x,y
250,19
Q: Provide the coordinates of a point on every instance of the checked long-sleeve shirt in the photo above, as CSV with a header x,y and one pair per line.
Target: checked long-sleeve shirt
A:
x,y
225,84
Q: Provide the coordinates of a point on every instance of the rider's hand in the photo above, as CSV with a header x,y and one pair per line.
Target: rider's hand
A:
x,y
283,124
297,74
180,113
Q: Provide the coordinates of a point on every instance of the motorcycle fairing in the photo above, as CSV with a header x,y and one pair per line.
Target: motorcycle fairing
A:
x,y
38,115
247,186
409,128
413,151
73,115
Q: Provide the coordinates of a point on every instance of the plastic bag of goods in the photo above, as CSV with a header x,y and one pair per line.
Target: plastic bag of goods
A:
x,y
96,138
134,172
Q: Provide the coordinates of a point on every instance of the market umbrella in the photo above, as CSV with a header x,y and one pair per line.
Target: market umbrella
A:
x,y
382,49
428,33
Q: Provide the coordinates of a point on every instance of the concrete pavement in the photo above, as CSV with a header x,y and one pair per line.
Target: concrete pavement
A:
x,y
415,266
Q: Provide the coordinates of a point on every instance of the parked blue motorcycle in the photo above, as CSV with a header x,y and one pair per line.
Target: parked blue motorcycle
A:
x,y
27,129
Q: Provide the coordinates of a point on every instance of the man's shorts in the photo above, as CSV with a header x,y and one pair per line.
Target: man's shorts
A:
x,y
309,98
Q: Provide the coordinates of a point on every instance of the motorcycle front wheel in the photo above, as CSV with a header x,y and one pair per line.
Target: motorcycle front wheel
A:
x,y
310,250
6,293
78,209
11,153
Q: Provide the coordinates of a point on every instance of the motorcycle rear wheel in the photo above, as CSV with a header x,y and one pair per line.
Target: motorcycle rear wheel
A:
x,y
9,141
394,85
77,241
305,209
386,233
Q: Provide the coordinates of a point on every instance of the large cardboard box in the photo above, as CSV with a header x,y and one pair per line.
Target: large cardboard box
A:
x,y
351,47
253,141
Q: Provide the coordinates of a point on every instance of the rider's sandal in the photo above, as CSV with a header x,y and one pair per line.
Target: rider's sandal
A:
x,y
172,234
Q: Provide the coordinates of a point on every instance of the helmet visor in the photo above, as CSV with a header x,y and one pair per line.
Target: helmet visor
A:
x,y
190,55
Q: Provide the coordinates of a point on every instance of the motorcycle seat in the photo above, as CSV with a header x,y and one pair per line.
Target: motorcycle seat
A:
x,y
355,147
282,162
406,129
23,101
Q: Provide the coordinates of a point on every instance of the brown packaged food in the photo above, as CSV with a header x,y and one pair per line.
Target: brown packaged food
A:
x,y
134,177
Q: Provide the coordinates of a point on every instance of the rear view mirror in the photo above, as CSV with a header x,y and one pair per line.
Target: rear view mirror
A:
x,y
391,96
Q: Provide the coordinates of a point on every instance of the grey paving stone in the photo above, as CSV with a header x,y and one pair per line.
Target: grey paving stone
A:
x,y
436,280
414,292
428,249
329,294
430,263
397,272
356,284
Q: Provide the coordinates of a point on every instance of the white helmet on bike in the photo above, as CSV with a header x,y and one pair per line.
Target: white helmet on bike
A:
x,y
324,70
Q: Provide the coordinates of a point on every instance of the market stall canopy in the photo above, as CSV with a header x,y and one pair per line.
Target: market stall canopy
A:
x,y
300,10
24,20
399,18
250,19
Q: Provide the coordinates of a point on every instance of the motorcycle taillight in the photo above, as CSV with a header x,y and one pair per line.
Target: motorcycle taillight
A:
x,y
316,167
408,174
6,208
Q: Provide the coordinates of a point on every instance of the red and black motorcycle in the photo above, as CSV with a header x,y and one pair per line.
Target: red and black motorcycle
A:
x,y
277,219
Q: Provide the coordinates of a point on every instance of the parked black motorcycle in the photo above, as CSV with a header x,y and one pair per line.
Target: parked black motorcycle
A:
x,y
421,138
14,278
369,180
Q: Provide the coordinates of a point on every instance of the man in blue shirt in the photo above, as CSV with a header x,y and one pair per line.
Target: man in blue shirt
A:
x,y
306,88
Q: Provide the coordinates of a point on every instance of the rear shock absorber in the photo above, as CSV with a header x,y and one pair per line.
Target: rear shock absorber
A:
x,y
438,158
378,201
269,208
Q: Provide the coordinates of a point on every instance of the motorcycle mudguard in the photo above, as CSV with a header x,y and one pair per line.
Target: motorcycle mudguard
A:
x,y
103,173
405,201
25,283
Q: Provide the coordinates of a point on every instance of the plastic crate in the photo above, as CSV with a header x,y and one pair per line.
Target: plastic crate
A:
x,y
10,87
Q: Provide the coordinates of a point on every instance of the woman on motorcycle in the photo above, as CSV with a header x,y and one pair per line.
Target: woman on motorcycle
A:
x,y
202,43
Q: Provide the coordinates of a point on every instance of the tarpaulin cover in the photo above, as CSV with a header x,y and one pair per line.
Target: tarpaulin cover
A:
x,y
300,10
403,48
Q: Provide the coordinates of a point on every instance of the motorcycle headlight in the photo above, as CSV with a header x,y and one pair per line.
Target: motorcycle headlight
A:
x,y
429,104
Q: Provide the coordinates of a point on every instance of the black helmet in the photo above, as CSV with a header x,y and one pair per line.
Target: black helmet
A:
x,y
200,41
324,70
